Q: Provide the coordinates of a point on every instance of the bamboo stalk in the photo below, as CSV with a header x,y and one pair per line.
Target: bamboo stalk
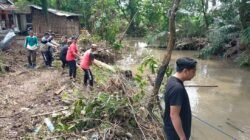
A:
x,y
233,126
201,85
48,113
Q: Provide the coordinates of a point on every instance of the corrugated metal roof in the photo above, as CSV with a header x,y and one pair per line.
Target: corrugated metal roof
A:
x,y
57,12
7,7
10,1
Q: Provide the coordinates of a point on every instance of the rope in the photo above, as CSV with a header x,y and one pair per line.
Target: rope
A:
x,y
210,125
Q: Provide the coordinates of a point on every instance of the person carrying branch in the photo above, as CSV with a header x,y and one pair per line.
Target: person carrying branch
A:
x,y
177,115
86,61
31,44
46,50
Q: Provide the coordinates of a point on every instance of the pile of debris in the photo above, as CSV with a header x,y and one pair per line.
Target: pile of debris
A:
x,y
233,48
193,43
111,114
104,52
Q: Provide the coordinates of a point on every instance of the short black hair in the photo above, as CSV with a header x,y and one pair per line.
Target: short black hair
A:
x,y
74,37
185,63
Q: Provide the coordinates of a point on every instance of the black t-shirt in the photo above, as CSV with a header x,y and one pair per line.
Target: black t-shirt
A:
x,y
176,95
63,52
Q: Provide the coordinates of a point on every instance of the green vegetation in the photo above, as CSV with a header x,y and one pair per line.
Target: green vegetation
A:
x,y
108,20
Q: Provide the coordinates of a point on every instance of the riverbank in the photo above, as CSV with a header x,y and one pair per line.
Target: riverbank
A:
x,y
112,109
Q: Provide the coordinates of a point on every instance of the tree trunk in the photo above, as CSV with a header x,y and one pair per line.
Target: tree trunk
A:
x,y
45,10
214,2
204,11
171,44
58,4
206,5
244,14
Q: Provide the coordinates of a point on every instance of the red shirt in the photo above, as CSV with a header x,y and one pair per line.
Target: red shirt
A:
x,y
70,53
86,60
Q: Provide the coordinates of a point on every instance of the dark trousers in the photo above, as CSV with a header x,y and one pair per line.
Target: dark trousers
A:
x,y
32,57
47,57
64,62
88,76
72,68
171,134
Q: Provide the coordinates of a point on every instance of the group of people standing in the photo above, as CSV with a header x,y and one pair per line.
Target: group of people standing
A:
x,y
177,115
69,54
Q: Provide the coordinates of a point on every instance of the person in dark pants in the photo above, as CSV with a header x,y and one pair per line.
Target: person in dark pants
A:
x,y
31,44
65,42
47,49
177,115
71,56
86,62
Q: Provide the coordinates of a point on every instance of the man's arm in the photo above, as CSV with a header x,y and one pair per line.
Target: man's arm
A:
x,y
176,120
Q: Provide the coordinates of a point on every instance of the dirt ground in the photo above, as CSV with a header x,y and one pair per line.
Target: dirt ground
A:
x,y
26,92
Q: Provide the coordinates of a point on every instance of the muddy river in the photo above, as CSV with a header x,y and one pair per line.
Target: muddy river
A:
x,y
219,113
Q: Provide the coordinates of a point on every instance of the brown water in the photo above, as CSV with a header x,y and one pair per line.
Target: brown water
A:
x,y
226,107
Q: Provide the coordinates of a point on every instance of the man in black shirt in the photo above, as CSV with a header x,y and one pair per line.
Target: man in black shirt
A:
x,y
65,42
177,116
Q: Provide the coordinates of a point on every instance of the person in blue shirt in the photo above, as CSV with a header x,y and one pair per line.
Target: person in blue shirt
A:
x,y
31,44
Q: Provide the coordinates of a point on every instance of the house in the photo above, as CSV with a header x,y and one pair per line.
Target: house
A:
x,y
12,18
60,22
7,17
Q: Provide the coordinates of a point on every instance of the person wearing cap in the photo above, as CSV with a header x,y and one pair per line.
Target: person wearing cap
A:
x,y
31,44
71,56
177,115
85,63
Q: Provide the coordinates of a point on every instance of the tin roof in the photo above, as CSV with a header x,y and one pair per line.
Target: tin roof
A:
x,y
57,12
7,7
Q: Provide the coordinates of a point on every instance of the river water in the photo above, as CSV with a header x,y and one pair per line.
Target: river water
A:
x,y
219,113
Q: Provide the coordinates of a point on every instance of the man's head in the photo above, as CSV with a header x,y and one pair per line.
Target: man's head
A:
x,y
186,68
31,33
46,35
93,47
64,39
74,39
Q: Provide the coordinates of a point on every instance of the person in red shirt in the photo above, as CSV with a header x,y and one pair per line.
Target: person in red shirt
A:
x,y
85,63
71,56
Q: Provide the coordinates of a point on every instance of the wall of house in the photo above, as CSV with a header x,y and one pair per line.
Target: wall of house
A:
x,y
58,24
3,1
23,22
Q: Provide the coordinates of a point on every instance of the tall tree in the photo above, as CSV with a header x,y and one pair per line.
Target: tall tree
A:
x,y
44,4
244,13
204,10
167,57
58,4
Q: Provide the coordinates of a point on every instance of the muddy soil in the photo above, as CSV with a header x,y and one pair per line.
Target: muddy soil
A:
x,y
26,92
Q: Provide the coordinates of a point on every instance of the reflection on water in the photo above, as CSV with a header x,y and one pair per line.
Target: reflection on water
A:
x,y
226,104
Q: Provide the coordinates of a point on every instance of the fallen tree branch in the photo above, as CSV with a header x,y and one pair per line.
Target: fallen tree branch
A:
x,y
201,85
60,90
48,113
136,118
